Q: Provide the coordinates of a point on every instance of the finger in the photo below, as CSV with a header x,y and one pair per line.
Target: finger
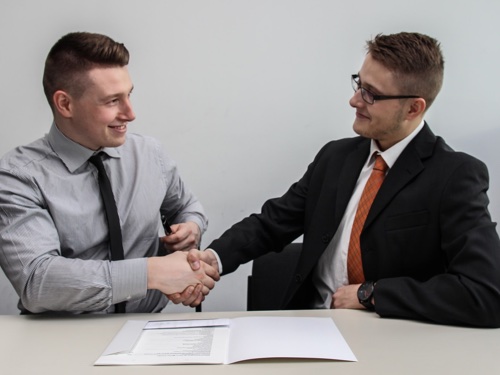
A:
x,y
180,244
177,298
177,235
205,290
208,281
194,296
199,300
174,298
211,271
193,257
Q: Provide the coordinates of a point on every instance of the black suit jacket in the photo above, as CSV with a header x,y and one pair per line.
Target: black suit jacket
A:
x,y
428,240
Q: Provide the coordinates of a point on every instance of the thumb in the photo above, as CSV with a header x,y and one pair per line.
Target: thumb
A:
x,y
193,258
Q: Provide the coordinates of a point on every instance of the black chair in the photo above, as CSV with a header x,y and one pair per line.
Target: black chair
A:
x,y
270,278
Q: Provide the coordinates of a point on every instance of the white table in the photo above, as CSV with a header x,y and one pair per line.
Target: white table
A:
x,y
70,345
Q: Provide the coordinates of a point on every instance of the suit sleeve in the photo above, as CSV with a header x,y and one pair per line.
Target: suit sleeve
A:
x,y
280,221
468,293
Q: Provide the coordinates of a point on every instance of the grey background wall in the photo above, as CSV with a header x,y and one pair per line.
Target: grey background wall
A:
x,y
243,93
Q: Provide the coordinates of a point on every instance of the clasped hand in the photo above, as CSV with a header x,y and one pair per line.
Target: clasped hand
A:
x,y
194,295
184,237
182,275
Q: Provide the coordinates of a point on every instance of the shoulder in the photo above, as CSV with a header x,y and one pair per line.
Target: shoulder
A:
x,y
142,147
139,141
345,144
341,148
27,158
446,155
147,149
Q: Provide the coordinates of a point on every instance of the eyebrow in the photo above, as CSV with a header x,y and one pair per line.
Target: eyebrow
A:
x,y
367,86
108,97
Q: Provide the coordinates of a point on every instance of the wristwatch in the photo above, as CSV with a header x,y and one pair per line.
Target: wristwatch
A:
x,y
365,294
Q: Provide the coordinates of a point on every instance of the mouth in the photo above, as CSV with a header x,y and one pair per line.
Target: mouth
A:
x,y
361,116
122,127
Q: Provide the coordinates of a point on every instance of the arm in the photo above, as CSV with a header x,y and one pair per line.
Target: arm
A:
x,y
283,219
72,275
182,210
468,291
32,257
280,221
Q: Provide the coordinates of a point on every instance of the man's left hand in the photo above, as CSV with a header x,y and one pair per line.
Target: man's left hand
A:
x,y
185,236
346,297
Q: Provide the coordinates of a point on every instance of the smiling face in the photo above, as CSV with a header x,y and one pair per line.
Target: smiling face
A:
x,y
386,121
99,116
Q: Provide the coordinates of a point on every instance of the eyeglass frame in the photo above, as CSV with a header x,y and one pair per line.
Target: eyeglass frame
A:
x,y
356,85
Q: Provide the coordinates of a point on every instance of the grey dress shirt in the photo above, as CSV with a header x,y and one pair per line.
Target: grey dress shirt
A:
x,y
53,229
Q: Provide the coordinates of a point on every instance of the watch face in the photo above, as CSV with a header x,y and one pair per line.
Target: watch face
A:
x,y
365,291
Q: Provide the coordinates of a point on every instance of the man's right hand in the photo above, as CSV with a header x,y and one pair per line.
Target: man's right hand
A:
x,y
196,259
207,256
173,274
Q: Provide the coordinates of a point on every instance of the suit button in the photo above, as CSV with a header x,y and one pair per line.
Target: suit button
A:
x,y
298,277
325,238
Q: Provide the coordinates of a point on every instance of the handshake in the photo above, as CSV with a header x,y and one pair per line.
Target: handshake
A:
x,y
183,276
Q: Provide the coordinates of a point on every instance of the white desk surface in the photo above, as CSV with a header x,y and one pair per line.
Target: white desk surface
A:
x,y
70,345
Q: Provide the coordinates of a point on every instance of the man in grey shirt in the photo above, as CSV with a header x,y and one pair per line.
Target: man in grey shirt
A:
x,y
54,235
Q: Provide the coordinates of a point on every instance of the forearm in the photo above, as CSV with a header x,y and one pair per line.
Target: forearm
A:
x,y
459,283
75,285
445,299
180,205
257,235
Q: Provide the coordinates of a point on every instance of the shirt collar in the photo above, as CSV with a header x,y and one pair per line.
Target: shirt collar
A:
x,y
72,154
392,154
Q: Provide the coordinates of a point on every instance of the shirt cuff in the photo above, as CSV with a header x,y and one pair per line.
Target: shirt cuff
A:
x,y
129,279
219,263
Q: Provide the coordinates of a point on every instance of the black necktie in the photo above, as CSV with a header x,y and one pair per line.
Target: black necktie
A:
x,y
115,233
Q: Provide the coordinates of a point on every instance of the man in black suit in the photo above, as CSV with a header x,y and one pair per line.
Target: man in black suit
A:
x,y
429,249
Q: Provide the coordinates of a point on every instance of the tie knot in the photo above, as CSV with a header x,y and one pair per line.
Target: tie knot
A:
x,y
96,158
380,164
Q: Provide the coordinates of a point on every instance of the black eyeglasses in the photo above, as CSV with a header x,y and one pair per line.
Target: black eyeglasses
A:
x,y
369,97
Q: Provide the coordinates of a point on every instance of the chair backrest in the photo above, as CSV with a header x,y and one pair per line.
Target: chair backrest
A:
x,y
271,275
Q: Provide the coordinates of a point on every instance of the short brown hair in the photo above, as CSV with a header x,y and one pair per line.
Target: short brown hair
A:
x,y
415,60
74,55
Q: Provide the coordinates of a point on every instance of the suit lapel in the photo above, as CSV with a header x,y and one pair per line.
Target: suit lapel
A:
x,y
348,177
407,167
335,194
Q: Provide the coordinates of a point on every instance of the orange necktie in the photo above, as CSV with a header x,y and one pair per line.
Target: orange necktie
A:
x,y
354,264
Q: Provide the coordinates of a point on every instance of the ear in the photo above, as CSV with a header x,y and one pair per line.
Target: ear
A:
x,y
62,103
417,108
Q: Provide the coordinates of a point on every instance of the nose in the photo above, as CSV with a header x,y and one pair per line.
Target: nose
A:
x,y
356,100
127,111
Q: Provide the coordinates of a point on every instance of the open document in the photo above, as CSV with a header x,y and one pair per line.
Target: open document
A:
x,y
225,341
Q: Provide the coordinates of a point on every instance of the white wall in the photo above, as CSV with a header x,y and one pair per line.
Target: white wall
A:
x,y
243,93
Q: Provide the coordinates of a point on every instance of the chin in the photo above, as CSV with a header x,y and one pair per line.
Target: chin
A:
x,y
361,129
116,143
